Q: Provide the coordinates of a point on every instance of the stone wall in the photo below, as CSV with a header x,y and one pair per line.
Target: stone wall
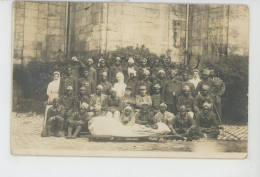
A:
x,y
39,30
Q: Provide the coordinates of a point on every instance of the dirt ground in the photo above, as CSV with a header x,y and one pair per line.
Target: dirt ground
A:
x,y
26,128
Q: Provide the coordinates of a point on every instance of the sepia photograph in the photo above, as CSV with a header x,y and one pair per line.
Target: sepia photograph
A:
x,y
123,79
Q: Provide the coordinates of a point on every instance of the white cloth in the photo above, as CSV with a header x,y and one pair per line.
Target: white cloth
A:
x,y
120,89
108,126
53,90
195,82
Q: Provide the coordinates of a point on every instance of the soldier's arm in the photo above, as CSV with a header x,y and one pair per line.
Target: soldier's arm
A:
x,y
164,91
138,102
195,104
149,101
179,103
214,121
93,86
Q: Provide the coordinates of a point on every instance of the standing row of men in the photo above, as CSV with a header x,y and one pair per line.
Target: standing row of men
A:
x,y
148,92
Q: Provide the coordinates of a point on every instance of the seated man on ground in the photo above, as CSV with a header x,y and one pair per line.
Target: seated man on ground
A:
x,y
156,98
128,116
98,98
77,120
163,116
184,125
207,122
55,119
144,116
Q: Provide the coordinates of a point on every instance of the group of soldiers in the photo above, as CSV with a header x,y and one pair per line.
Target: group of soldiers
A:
x,y
187,101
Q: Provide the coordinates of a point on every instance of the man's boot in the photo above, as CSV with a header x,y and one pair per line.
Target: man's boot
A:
x,y
76,132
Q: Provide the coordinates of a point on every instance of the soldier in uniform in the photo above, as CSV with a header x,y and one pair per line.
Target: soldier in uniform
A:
x,y
67,81
142,98
206,80
77,121
82,97
76,67
155,69
144,116
128,99
129,68
87,83
156,98
185,81
68,101
105,84
102,68
142,68
145,81
202,98
128,117
185,99
98,98
161,79
113,103
170,91
114,70
132,82
91,70
55,119
207,122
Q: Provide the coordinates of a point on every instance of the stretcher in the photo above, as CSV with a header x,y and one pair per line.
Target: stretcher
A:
x,y
105,138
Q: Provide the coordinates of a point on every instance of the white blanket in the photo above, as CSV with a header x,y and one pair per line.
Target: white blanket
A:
x,y
113,127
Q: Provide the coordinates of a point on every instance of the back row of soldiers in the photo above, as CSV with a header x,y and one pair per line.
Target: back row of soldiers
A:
x,y
147,89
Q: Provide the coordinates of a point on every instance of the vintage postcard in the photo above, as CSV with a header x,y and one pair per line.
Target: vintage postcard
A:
x,y
130,79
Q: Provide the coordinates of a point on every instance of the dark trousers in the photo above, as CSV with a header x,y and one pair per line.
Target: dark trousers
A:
x,y
171,108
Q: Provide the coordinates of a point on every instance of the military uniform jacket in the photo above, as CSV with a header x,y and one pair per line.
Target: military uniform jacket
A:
x,y
68,102
77,70
169,88
185,101
207,121
100,71
166,117
132,82
139,100
106,87
58,112
128,101
88,84
83,99
156,101
113,104
140,72
69,81
92,74
97,100
186,122
213,86
199,100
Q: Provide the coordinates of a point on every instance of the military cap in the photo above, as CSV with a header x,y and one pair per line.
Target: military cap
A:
x,y
161,71
195,70
129,108
163,105
99,87
118,59
157,86
146,72
143,87
74,58
56,72
82,88
206,72
112,90
205,87
182,108
69,88
206,105
104,74
101,59
144,59
131,60
91,60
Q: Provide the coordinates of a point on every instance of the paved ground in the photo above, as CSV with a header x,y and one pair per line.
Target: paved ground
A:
x,y
26,128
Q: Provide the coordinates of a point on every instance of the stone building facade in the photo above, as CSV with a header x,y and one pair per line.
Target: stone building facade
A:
x,y
49,30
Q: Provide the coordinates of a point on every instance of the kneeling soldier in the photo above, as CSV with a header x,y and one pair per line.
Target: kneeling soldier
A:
x,y
77,120
55,118
207,122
